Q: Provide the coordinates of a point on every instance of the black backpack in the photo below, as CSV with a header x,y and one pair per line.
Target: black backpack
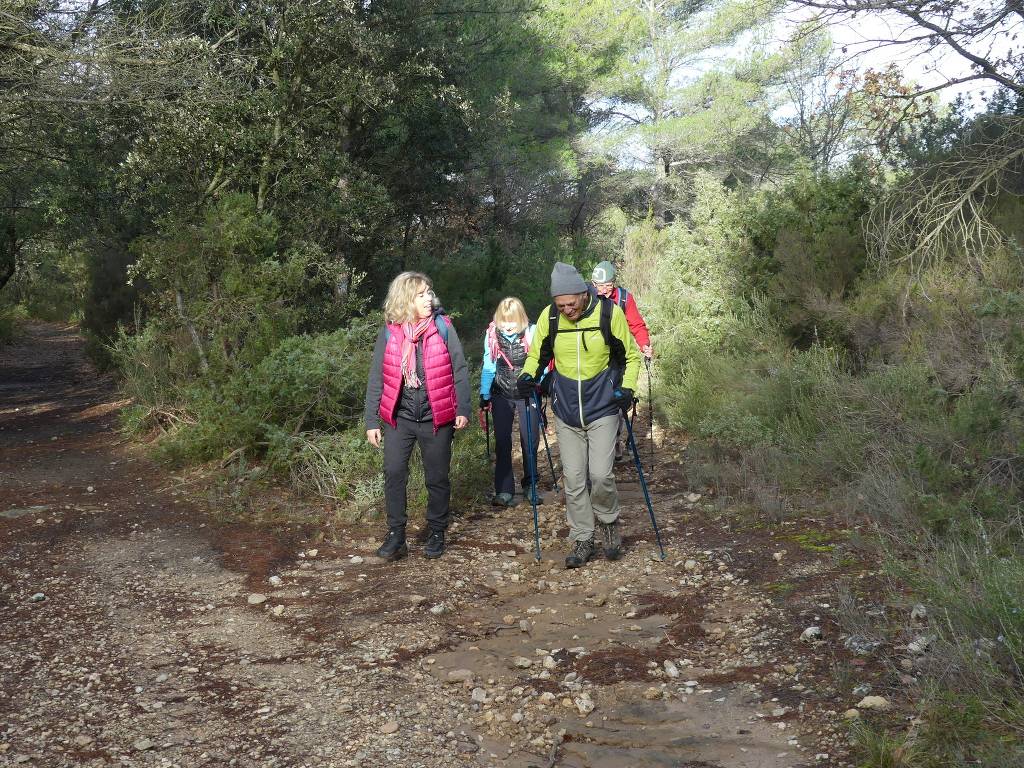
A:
x,y
616,349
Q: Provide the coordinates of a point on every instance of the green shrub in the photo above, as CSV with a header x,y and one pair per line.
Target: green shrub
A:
x,y
877,748
307,383
11,318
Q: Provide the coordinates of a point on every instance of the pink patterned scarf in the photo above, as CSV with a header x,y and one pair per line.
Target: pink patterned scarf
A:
x,y
411,334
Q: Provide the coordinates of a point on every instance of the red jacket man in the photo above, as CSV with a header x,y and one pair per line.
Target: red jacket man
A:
x,y
603,279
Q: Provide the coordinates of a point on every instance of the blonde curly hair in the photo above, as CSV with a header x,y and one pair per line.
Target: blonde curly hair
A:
x,y
400,304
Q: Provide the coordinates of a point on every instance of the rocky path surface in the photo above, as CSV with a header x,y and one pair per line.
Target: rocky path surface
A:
x,y
139,628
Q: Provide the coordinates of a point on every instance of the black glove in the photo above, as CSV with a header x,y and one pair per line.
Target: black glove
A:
x,y
485,404
526,386
545,385
623,398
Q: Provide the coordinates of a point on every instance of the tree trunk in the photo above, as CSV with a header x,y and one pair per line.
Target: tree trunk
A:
x,y
180,301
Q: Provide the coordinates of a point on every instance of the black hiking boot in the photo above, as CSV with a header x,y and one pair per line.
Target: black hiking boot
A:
x,y
581,552
394,546
434,547
611,538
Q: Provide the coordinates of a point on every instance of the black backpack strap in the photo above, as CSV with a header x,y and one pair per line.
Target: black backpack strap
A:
x,y
623,298
547,348
616,349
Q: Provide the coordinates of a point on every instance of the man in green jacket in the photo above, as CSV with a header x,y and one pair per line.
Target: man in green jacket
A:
x,y
596,367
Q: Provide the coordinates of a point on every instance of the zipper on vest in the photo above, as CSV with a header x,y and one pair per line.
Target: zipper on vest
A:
x,y
579,379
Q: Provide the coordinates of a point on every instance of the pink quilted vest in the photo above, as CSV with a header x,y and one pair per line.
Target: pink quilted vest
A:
x,y
437,365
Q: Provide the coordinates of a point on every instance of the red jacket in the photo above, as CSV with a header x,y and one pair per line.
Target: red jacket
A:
x,y
637,326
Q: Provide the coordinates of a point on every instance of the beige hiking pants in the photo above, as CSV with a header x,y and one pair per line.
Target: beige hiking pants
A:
x,y
588,453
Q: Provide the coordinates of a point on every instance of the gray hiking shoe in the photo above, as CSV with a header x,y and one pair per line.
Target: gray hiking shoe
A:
x,y
581,552
611,538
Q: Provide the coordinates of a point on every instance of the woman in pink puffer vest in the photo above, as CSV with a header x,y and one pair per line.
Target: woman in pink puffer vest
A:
x,y
419,388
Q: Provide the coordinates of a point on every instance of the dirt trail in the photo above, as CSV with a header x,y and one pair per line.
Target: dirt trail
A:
x,y
137,630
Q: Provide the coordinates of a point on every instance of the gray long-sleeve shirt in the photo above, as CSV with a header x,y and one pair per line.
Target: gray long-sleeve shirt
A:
x,y
414,403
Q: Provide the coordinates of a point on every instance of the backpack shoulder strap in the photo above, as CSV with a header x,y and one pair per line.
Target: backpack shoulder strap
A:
x,y
442,322
547,348
605,321
616,349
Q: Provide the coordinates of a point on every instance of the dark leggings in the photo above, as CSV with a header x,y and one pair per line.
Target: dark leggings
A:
x,y
436,452
503,409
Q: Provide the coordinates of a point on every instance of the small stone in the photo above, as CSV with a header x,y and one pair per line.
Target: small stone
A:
x,y
522,662
670,668
876,703
467,747
277,610
779,555
652,693
461,676
919,646
89,489
589,616
38,597
143,744
550,662
508,618
312,552
811,635
861,645
479,696
547,698
389,727
691,565
82,740
355,559
693,498
634,627
597,600
918,613
257,598
789,669
851,714
275,581
584,704
416,599
509,553
524,625
438,609
517,717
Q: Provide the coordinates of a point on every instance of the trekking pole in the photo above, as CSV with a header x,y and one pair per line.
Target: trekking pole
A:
x,y
547,448
530,459
650,406
643,484
484,416
487,433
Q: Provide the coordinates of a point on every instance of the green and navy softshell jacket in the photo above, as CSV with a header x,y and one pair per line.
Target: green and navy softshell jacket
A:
x,y
583,383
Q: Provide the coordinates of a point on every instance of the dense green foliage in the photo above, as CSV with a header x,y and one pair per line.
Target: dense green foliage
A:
x,y
833,271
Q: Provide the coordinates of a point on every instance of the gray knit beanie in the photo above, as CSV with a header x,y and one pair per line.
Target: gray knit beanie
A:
x,y
565,280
